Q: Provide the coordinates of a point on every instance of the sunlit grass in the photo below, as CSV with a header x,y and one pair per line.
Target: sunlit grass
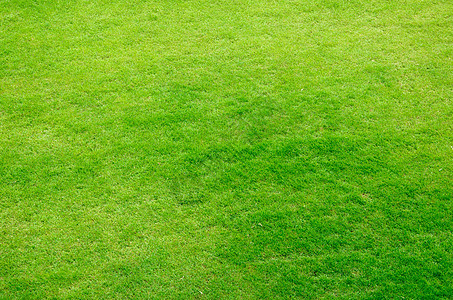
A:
x,y
226,149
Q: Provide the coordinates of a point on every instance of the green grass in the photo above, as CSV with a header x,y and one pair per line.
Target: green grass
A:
x,y
240,149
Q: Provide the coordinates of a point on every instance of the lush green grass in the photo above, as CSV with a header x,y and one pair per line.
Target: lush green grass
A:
x,y
226,149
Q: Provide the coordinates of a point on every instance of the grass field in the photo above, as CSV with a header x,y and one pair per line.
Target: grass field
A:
x,y
240,149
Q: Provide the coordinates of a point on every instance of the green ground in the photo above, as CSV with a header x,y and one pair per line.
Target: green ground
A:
x,y
226,149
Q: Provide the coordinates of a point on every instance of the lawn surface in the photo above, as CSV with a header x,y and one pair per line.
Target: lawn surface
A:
x,y
226,149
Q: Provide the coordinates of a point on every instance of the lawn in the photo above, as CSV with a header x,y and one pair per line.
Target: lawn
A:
x,y
226,149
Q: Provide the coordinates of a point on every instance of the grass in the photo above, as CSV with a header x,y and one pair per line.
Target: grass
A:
x,y
226,149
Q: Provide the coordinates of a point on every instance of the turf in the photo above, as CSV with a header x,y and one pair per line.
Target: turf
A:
x,y
240,149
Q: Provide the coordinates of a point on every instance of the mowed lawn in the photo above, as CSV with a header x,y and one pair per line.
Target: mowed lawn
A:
x,y
226,149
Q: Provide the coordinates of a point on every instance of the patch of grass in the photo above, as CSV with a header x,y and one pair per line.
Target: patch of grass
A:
x,y
226,149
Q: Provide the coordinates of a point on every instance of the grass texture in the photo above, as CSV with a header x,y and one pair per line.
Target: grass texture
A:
x,y
214,149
